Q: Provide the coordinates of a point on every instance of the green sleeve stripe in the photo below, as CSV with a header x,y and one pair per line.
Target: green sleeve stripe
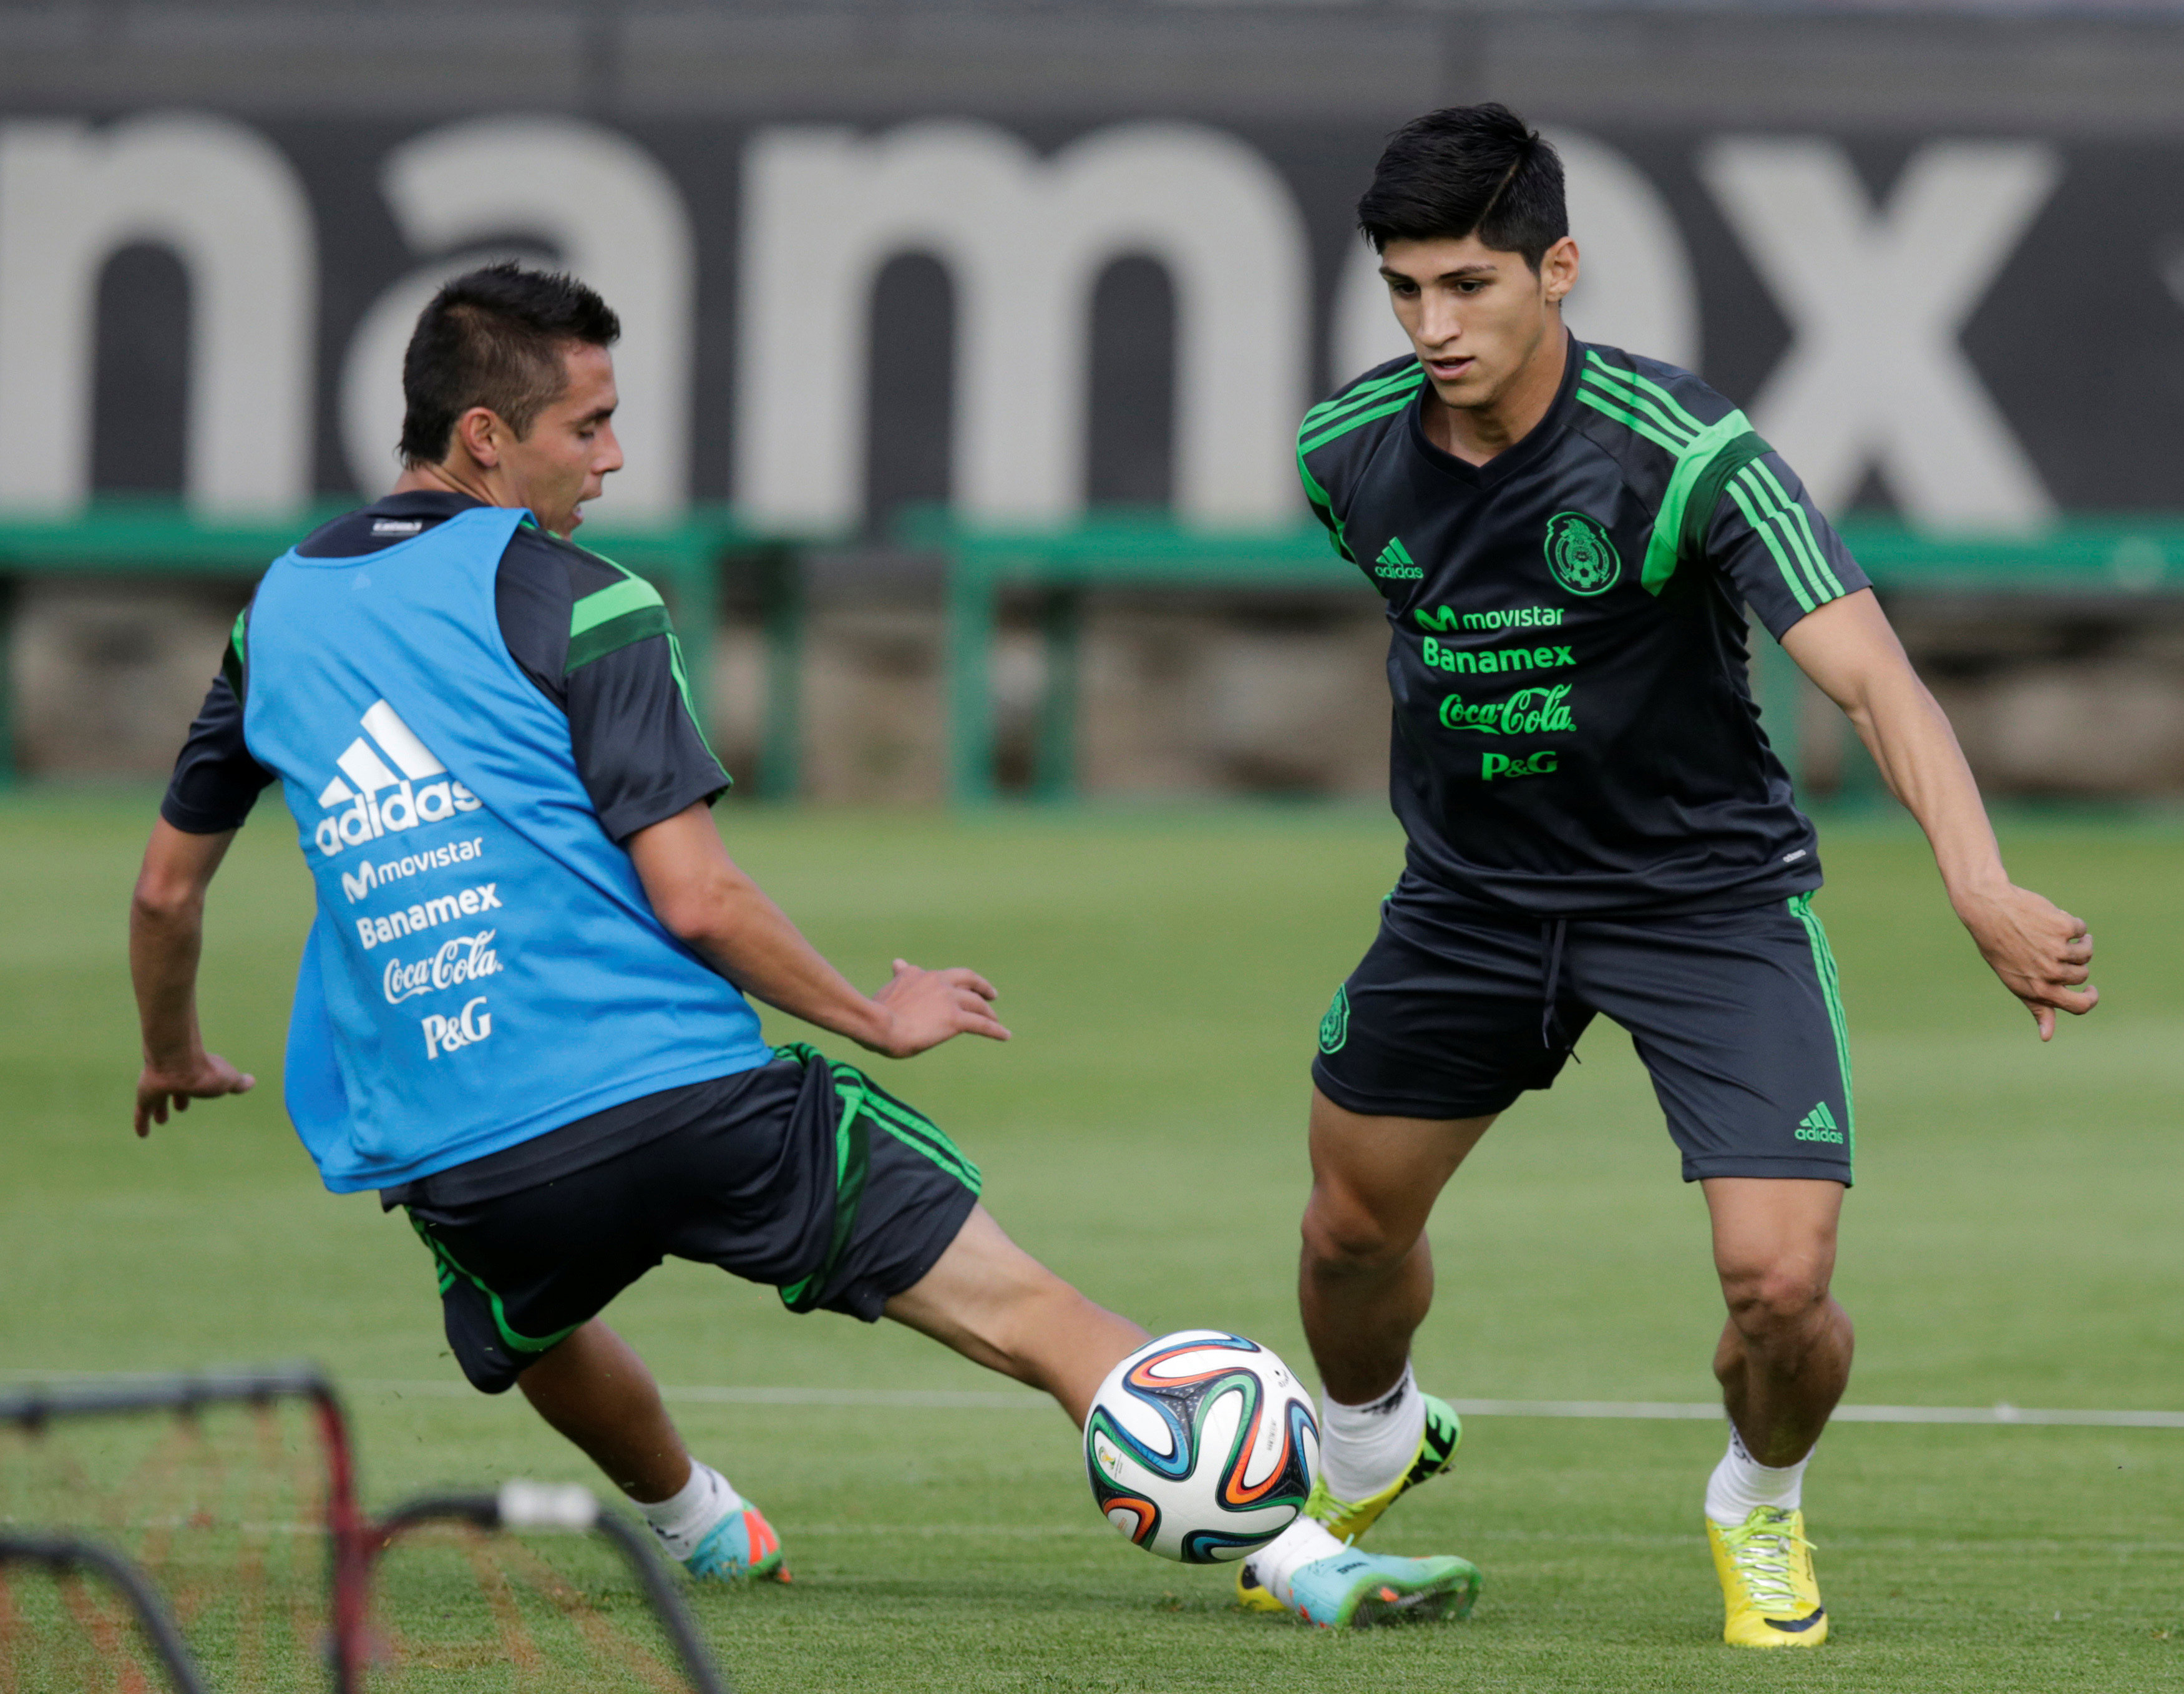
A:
x,y
235,662
1759,528
1677,435
1740,450
1648,385
1777,523
598,639
1780,512
1409,378
690,703
1672,409
1324,505
1634,392
1354,420
1630,420
618,601
1694,490
1816,555
632,593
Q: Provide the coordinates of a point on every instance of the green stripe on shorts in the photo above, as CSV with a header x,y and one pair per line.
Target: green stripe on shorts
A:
x,y
1824,962
450,1269
865,1103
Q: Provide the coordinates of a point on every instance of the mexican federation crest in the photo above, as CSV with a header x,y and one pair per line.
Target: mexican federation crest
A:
x,y
1579,553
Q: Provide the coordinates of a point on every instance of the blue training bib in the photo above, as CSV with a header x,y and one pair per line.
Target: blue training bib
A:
x,y
484,966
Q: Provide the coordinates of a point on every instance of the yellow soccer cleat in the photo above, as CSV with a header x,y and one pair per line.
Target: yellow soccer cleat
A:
x,y
1765,1564
1348,1519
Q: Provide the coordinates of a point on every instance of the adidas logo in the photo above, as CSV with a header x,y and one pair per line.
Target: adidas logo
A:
x,y
1395,562
373,810
1819,1125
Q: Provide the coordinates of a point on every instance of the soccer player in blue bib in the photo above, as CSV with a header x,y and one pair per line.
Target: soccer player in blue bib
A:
x,y
520,1014
1566,538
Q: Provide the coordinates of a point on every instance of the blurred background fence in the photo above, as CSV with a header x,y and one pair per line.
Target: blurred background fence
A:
x,y
965,342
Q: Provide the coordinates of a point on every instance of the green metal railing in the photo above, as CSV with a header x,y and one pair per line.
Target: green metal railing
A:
x,y
2100,558
686,560
2103,557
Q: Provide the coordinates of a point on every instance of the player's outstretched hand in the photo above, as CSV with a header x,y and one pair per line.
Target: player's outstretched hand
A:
x,y
924,1008
2039,951
206,1078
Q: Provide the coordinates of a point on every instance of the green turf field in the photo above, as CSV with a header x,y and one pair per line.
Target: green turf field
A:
x,y
2013,1238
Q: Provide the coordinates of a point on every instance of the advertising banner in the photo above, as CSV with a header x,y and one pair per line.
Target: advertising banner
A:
x,y
824,320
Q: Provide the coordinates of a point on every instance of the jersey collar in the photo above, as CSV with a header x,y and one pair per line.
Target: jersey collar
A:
x,y
1537,442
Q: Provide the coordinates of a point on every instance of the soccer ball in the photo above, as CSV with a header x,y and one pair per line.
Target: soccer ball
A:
x,y
1201,1447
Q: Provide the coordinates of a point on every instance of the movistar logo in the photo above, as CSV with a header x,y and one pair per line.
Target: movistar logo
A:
x,y
1529,711
1819,1125
374,810
1445,618
1395,562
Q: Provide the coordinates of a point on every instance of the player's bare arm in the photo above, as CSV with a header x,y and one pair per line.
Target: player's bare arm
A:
x,y
2041,953
166,929
708,901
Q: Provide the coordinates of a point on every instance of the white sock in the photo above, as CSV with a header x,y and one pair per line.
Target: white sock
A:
x,y
1741,1485
1364,1448
682,1519
1306,1541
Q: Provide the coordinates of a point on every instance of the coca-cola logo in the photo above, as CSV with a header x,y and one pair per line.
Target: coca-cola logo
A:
x,y
465,959
1529,711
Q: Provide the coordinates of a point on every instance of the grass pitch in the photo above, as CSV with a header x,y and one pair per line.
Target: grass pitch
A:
x,y
2012,1239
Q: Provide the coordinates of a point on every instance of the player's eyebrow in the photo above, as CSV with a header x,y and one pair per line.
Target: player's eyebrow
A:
x,y
1478,267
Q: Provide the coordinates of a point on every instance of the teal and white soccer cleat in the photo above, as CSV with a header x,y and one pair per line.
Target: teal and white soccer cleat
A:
x,y
1354,1591
1348,1519
742,1547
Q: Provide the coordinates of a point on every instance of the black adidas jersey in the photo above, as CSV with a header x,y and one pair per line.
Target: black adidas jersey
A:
x,y
1574,732
636,739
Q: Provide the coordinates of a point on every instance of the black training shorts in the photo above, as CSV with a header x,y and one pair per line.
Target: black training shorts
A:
x,y
807,1176
1456,1009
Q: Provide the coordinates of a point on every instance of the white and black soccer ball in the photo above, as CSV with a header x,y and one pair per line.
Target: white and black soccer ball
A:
x,y
1201,1447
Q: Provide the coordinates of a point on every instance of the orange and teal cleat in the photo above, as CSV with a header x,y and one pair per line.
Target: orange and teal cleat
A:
x,y
741,1547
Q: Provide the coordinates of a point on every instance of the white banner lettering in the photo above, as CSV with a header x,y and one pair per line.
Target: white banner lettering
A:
x,y
1877,376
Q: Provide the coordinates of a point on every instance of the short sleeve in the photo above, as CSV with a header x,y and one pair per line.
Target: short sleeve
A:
x,y
635,734
1779,554
596,640
1322,508
216,782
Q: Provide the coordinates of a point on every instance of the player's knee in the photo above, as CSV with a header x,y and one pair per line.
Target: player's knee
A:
x,y
1774,1299
1339,1236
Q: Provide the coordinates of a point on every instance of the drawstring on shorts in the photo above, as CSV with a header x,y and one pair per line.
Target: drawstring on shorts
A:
x,y
1553,935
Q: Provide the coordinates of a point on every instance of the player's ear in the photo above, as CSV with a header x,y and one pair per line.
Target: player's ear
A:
x,y
480,433
1558,270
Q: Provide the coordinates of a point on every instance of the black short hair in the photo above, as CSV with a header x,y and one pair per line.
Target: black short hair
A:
x,y
495,337
1467,170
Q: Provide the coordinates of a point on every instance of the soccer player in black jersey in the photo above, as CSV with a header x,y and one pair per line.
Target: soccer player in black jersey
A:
x,y
1566,538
